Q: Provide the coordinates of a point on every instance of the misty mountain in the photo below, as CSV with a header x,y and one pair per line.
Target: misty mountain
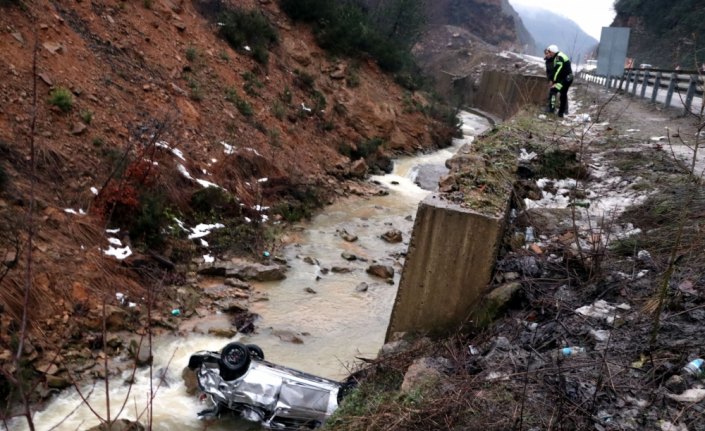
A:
x,y
549,28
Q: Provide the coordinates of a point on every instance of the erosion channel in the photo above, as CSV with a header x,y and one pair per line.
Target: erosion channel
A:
x,y
316,320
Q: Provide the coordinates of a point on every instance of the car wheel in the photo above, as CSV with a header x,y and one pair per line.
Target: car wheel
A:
x,y
234,361
255,352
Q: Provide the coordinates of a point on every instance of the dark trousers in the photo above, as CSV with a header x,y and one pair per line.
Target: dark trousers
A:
x,y
563,109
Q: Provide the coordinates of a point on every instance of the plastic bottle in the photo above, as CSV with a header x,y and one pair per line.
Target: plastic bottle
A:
x,y
571,351
695,367
529,235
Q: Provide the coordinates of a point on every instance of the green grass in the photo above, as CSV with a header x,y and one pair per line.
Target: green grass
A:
x,y
61,98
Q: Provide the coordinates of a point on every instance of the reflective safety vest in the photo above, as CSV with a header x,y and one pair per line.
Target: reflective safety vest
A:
x,y
562,71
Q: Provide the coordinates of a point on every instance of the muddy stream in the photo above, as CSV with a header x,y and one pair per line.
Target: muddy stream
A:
x,y
330,326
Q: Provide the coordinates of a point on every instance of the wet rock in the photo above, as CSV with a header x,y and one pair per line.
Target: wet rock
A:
x,y
140,352
222,332
310,260
347,236
382,271
221,291
348,256
288,336
190,380
57,382
244,270
362,287
116,319
310,290
341,270
119,425
230,305
392,236
358,168
239,284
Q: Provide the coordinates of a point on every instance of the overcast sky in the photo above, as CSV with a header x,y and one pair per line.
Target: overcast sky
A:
x,y
590,15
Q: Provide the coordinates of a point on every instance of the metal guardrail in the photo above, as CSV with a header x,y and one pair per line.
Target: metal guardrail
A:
x,y
688,86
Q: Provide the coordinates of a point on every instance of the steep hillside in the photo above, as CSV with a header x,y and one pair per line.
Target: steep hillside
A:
x,y
486,19
664,33
548,28
142,105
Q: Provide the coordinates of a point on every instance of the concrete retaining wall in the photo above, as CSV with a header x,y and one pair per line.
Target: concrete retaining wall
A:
x,y
503,94
448,266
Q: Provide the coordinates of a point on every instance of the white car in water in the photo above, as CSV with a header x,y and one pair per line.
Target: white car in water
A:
x,y
237,380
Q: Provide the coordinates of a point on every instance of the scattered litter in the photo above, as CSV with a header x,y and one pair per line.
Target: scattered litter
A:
x,y
689,396
207,258
265,254
494,375
600,309
94,191
115,241
263,180
247,48
571,351
643,255
175,312
542,117
525,156
695,367
120,297
305,108
633,130
670,426
113,231
658,138
473,350
600,335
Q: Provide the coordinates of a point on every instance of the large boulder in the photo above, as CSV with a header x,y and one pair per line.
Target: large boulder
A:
x,y
243,270
382,271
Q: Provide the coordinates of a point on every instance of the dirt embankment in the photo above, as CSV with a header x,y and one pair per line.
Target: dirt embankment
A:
x,y
139,107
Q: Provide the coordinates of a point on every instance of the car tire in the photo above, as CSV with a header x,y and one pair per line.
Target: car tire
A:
x,y
234,361
256,352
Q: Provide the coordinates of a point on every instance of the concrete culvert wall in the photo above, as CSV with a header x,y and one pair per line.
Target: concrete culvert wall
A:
x,y
504,94
448,266
453,248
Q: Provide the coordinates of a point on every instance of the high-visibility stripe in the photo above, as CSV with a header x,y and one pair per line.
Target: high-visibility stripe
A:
x,y
558,86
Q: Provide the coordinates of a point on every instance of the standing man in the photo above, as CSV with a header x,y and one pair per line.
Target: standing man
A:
x,y
560,81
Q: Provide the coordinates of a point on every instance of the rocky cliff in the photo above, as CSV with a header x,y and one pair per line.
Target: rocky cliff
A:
x,y
663,33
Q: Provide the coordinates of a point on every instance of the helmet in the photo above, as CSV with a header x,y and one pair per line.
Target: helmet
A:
x,y
552,48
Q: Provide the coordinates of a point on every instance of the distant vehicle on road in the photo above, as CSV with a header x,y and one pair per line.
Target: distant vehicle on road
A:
x,y
645,66
590,65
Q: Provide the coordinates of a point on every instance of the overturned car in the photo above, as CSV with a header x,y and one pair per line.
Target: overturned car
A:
x,y
237,380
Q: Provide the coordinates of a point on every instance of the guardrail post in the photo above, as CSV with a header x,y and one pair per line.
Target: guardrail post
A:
x,y
691,92
645,83
636,81
621,81
657,86
671,88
